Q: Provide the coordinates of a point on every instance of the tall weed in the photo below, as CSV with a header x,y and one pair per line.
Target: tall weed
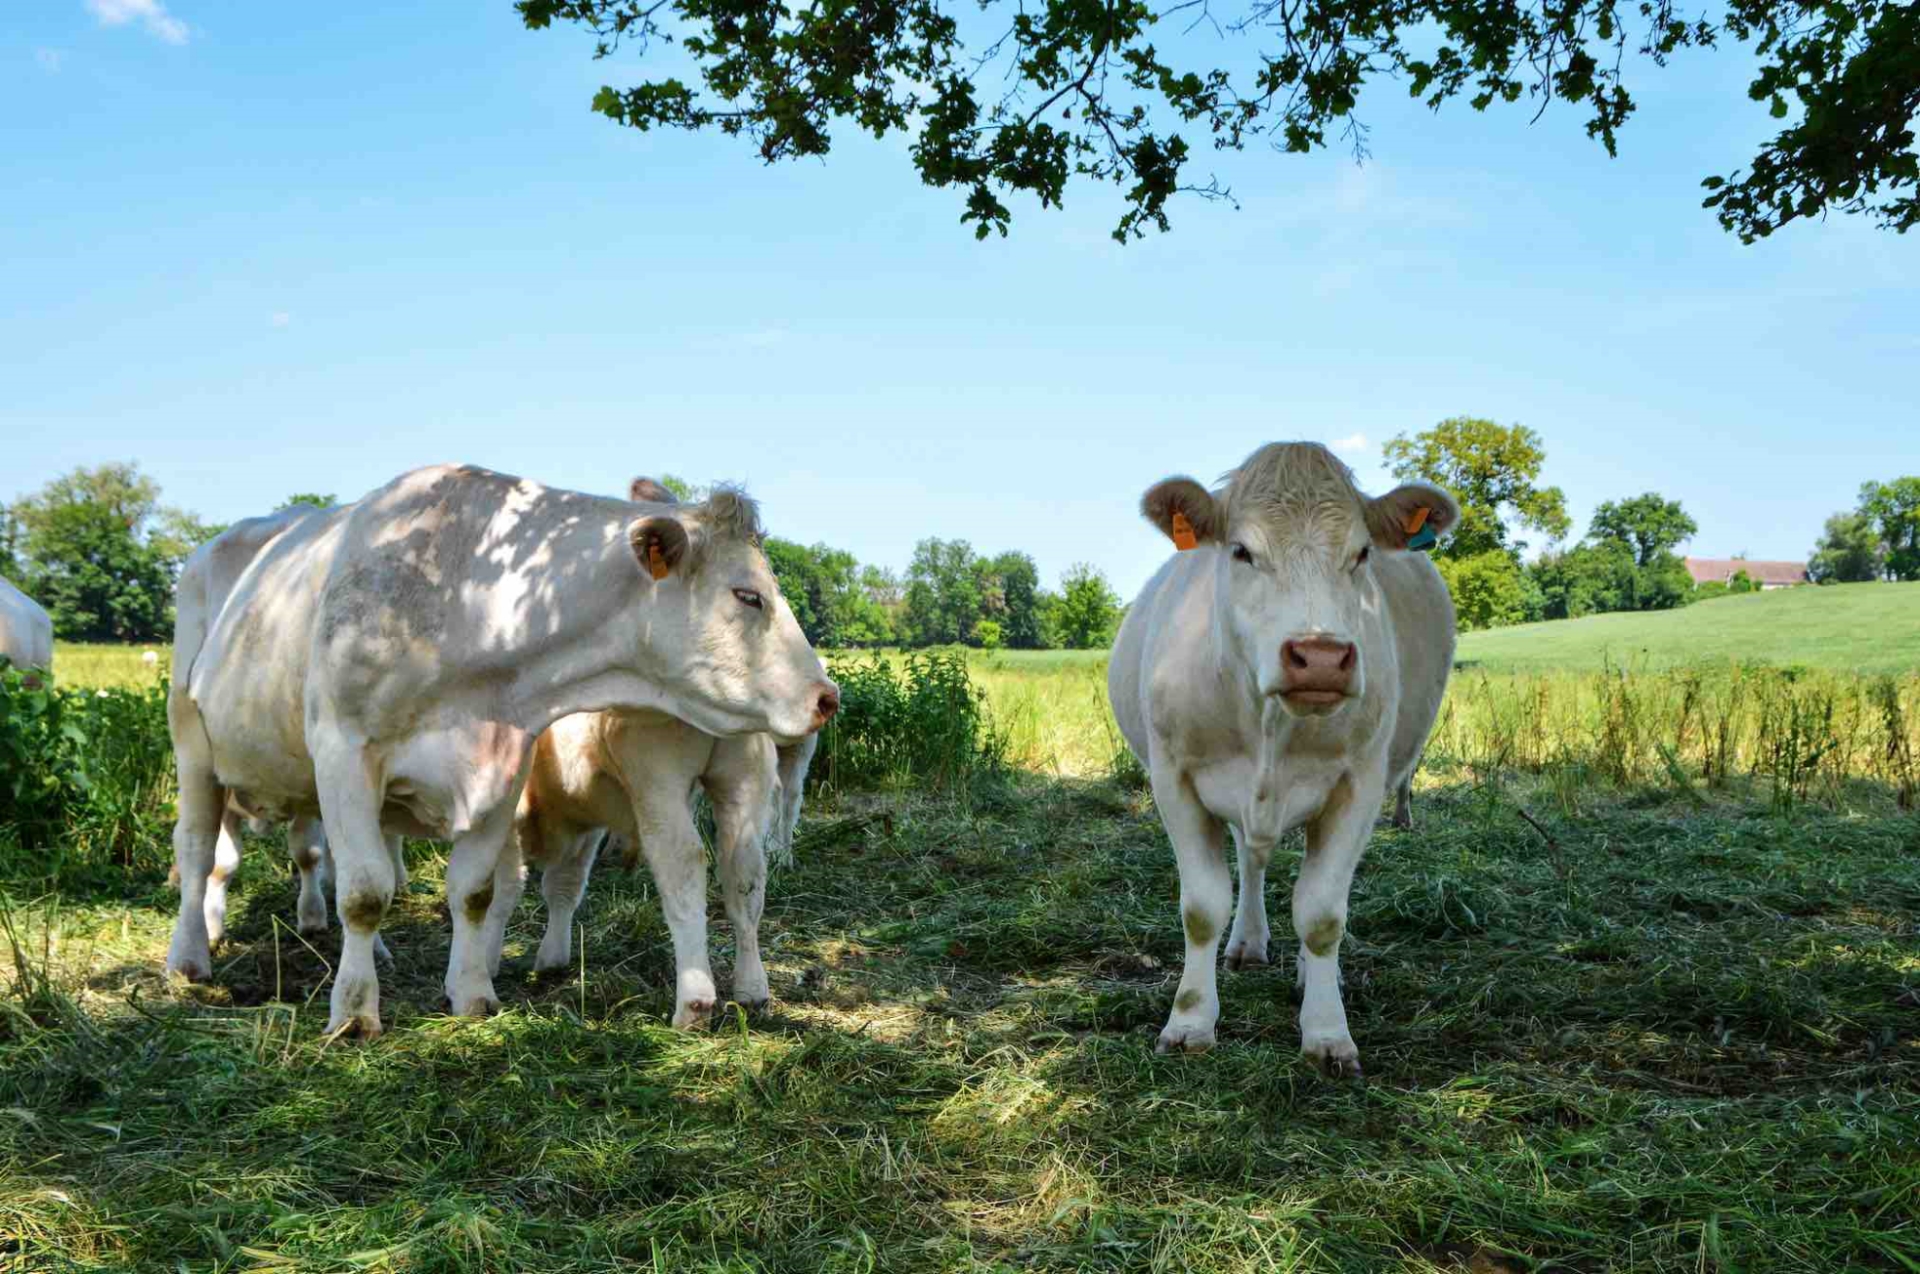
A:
x,y
913,720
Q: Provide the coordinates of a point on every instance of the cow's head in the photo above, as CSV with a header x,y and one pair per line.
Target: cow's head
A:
x,y
1294,541
737,662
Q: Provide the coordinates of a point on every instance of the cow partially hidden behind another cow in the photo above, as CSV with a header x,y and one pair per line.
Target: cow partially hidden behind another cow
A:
x,y
26,633
1283,671
390,664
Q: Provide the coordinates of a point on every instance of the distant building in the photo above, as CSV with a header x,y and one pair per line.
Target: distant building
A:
x,y
1721,570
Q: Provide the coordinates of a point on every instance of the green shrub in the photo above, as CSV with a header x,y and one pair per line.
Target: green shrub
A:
x,y
916,719
86,778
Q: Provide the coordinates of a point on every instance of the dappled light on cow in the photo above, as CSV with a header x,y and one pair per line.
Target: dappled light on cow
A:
x,y
1281,670
389,665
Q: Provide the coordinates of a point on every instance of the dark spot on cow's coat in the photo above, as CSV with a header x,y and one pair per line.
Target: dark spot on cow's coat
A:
x,y
477,903
363,909
1186,1000
1322,936
1200,930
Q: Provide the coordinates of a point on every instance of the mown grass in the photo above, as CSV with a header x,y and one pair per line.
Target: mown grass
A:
x,y
1669,1023
1848,628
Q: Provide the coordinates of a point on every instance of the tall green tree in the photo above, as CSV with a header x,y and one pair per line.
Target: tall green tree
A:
x,y
942,593
1895,509
1019,585
1848,552
1649,525
1088,610
91,558
1115,94
313,498
1493,472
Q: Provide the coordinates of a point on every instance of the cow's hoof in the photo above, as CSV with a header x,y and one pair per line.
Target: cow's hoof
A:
x,y
691,1014
192,968
1245,954
754,1005
475,1006
1184,1039
1336,1058
309,929
363,1026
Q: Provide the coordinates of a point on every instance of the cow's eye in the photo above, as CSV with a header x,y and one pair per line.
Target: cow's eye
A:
x,y
1366,551
749,598
1240,554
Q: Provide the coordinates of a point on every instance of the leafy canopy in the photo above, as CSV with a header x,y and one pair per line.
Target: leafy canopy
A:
x,y
1894,508
1848,552
1113,91
1649,525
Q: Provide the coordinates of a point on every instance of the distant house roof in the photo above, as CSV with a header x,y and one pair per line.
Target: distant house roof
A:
x,y
1722,569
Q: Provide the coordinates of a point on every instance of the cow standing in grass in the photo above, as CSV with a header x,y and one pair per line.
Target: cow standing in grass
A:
x,y
634,773
26,633
390,664
1282,671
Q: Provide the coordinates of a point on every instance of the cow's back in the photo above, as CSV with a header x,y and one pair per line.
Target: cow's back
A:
x,y
1420,612
26,632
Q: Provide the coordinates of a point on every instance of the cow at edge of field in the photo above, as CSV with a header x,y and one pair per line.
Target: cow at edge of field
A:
x,y
389,665
1283,670
26,633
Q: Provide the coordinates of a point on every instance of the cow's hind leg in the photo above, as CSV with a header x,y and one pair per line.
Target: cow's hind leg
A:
x,y
474,878
509,883
200,812
1335,841
307,847
1247,944
226,861
742,804
1403,805
364,880
563,883
1206,900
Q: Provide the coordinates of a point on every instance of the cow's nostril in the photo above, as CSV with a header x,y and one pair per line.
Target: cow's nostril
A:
x,y
828,705
1346,660
1294,657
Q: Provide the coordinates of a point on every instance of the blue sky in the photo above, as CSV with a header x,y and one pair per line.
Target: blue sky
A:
x,y
262,250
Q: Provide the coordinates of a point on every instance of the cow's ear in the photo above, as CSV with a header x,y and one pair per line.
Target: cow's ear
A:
x,y
1185,512
647,491
1414,516
660,544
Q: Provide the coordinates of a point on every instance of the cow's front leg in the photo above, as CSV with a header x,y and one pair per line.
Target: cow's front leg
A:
x,y
1206,898
201,807
678,862
1247,944
509,883
475,885
1335,840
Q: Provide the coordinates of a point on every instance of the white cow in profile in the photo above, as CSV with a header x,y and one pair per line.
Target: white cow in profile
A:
x,y
390,664
1284,671
26,633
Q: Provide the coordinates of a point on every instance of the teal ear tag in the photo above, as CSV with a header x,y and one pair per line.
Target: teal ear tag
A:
x,y
1424,538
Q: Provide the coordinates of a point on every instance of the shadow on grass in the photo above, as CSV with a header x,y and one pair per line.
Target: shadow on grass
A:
x,y
1669,1035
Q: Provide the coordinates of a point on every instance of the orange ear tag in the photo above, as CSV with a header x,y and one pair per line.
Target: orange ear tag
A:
x,y
1417,518
1183,536
1420,536
656,563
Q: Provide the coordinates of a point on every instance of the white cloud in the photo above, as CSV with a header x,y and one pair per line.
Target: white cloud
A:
x,y
151,14
280,318
1350,444
49,60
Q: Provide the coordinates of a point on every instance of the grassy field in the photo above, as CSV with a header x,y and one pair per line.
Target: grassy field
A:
x,y
1641,992
1846,628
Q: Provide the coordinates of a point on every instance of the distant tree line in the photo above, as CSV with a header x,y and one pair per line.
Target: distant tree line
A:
x,y
101,553
98,550
1627,560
